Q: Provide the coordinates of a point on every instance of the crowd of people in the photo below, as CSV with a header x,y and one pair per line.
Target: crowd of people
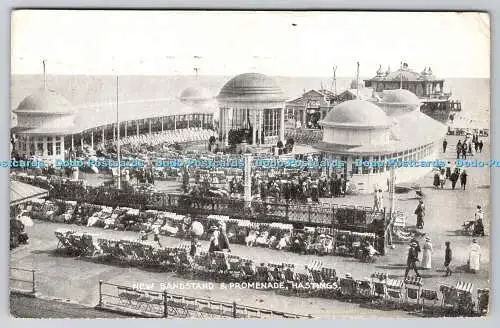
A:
x,y
449,172
468,147
299,186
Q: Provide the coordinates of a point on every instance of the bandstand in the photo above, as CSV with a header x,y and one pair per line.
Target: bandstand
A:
x,y
255,104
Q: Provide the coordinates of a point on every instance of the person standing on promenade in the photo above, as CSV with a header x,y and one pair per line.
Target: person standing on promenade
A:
x,y
447,259
459,149
420,212
427,254
411,261
445,143
463,179
474,256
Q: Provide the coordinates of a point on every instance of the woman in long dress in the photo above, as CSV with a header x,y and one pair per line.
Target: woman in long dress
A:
x,y
474,256
427,254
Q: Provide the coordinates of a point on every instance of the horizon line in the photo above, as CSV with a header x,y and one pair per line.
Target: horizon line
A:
x,y
226,75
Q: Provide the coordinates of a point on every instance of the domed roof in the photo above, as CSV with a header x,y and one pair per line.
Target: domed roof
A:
x,y
45,101
251,87
405,75
195,93
400,96
356,113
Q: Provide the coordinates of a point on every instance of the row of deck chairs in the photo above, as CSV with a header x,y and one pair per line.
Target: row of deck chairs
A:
x,y
314,279
169,137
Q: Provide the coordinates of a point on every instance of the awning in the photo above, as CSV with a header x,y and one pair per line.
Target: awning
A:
x,y
21,192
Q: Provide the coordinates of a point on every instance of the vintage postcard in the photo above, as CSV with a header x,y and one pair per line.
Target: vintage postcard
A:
x,y
226,165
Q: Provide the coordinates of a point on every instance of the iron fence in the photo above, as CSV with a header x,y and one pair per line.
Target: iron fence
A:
x,y
22,280
168,305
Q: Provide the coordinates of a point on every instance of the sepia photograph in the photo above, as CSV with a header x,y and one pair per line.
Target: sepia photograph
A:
x,y
249,164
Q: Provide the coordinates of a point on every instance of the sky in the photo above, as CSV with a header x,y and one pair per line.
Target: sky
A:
x,y
230,43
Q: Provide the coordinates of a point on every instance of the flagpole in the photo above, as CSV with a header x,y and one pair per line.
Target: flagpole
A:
x,y
357,82
118,136
44,63
401,75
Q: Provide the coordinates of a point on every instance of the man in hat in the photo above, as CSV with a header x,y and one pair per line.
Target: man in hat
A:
x,y
411,261
420,212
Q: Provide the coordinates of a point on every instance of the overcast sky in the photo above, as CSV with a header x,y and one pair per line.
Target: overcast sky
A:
x,y
229,43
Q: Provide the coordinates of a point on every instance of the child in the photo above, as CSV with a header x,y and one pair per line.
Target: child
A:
x,y
447,259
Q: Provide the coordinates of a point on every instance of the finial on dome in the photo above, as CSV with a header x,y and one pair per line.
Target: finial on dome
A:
x,y
379,71
429,71
424,72
388,70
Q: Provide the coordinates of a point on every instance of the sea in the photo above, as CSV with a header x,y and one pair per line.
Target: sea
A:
x,y
85,91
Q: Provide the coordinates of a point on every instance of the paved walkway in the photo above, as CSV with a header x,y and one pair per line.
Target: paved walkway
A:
x,y
77,278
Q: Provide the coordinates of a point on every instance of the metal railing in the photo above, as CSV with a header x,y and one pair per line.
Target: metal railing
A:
x,y
168,305
355,218
22,280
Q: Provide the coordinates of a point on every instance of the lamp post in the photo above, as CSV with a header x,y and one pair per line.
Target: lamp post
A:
x,y
118,136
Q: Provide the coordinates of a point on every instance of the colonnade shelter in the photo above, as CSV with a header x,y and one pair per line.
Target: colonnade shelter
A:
x,y
379,129
253,103
309,108
49,126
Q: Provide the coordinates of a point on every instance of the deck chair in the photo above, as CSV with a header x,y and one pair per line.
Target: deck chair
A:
x,y
248,269
364,288
379,281
185,260
105,246
127,249
316,276
465,300
395,289
289,275
138,250
276,275
483,299
153,257
171,259
76,243
329,275
348,288
413,290
221,262
234,265
428,295
263,274
201,262
63,241
450,297
91,248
